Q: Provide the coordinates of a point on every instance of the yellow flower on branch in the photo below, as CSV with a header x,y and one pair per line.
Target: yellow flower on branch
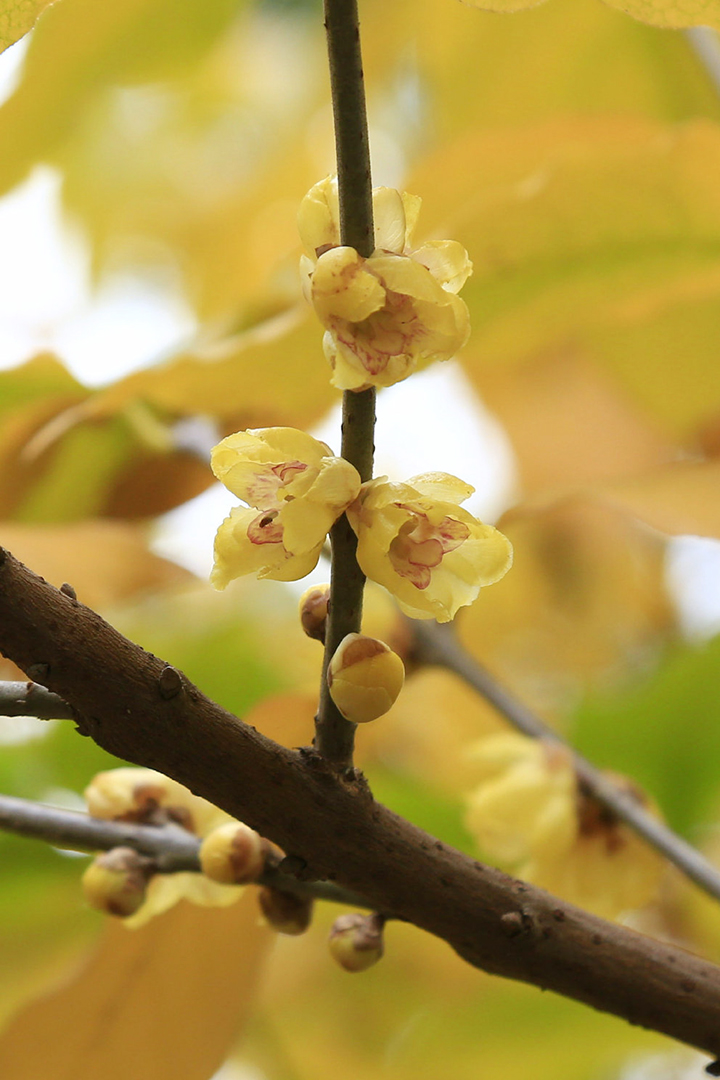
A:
x,y
294,489
387,315
145,796
430,553
529,814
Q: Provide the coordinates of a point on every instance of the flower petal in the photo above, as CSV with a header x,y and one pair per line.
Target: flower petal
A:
x,y
447,261
403,275
389,216
319,216
342,287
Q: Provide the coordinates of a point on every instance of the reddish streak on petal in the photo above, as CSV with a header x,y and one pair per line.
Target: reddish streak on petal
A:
x,y
265,530
420,546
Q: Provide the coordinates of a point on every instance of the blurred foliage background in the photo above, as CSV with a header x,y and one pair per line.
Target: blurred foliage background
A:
x,y
576,154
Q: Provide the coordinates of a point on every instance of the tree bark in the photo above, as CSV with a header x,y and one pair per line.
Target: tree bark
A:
x,y
142,710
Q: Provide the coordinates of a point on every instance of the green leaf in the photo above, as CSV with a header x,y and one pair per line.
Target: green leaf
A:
x,y
664,734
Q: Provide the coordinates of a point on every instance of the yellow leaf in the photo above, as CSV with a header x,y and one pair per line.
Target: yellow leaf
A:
x,y
584,603
273,375
505,5
17,17
105,561
159,1003
569,423
81,47
602,236
673,13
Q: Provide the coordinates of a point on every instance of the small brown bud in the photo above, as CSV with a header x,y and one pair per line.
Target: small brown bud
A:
x,y
286,912
314,610
364,677
232,854
356,941
116,881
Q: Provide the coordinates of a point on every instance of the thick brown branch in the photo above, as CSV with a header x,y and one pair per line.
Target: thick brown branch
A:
x,y
136,707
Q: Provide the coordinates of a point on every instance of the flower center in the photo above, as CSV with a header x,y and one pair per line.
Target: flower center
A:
x,y
419,546
264,490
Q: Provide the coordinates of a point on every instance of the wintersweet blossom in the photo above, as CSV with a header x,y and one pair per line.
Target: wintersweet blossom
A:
x,y
294,489
395,311
430,553
146,796
528,813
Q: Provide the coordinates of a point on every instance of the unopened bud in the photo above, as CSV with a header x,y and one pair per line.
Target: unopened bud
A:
x,y
364,677
286,912
128,794
232,854
356,941
314,610
116,882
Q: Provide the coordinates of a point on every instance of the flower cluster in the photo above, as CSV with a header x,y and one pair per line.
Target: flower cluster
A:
x,y
414,538
143,795
389,314
528,814
294,489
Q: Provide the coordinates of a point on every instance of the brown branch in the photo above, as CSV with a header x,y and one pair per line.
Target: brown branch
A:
x,y
146,712
334,735
438,645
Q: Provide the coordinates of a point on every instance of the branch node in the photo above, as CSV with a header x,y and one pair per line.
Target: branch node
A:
x,y
515,923
38,673
68,590
169,682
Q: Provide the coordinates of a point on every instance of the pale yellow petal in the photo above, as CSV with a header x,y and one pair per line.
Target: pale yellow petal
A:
x,y
295,567
342,287
236,555
442,487
411,206
403,275
319,216
389,215
447,261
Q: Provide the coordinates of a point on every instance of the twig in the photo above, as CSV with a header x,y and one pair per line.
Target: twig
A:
x,y
130,707
172,847
31,699
438,645
334,735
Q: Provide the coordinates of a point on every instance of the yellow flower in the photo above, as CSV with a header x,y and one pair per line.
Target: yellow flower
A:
x,y
295,490
143,795
389,314
528,814
416,541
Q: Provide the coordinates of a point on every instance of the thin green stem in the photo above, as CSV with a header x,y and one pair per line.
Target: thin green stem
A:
x,y
334,735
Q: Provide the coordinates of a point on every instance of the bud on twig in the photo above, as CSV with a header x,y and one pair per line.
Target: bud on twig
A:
x,y
356,941
364,677
314,611
285,912
232,854
116,881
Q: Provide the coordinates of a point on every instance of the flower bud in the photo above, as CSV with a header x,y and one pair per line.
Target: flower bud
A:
x,y
116,881
232,854
313,611
364,677
356,941
126,794
286,912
